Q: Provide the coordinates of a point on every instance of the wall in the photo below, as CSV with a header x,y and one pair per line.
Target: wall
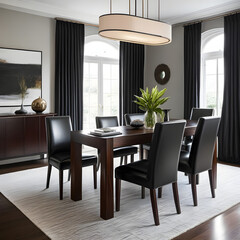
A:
x,y
26,31
172,55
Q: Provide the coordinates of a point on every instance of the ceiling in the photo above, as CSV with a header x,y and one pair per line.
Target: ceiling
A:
x,y
88,11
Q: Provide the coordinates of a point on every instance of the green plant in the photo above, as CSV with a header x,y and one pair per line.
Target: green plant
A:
x,y
151,101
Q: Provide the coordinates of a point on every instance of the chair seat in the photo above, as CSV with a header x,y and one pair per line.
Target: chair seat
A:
x,y
134,172
123,151
184,165
62,160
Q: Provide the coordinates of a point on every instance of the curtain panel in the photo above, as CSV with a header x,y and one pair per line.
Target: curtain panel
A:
x,y
69,60
131,77
229,132
192,65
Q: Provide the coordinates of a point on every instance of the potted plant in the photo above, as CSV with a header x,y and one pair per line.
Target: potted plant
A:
x,y
150,102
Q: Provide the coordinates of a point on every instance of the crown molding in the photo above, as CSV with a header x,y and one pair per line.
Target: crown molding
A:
x,y
47,10
213,11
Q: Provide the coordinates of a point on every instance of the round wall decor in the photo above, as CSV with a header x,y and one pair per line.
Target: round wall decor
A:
x,y
162,74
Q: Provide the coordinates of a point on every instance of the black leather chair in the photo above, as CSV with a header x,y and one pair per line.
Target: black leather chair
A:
x,y
112,121
129,117
58,138
196,113
161,166
200,157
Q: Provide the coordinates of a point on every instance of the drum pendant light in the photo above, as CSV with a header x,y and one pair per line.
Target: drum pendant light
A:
x,y
133,28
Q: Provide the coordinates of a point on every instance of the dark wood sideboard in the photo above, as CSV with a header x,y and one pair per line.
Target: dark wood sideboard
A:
x,y
22,135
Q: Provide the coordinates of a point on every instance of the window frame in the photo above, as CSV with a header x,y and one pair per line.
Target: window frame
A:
x,y
100,61
206,37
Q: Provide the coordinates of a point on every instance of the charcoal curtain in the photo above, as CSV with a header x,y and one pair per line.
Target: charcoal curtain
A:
x,y
131,76
192,64
69,71
229,132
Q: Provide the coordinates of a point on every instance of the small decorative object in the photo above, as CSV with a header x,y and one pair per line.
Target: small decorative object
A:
x,y
150,103
137,123
162,74
39,105
166,117
23,93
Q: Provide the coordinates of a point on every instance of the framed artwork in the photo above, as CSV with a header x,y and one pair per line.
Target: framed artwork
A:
x,y
20,69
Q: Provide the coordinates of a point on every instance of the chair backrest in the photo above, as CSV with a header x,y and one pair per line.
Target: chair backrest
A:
x,y
129,117
58,134
201,154
197,113
164,153
102,122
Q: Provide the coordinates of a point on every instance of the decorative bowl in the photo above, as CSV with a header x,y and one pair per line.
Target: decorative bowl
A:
x,y
137,123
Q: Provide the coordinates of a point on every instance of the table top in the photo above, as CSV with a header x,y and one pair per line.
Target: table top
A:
x,y
129,135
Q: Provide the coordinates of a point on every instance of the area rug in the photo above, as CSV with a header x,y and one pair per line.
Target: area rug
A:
x,y
67,219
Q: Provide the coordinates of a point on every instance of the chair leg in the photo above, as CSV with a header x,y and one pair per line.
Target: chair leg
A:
x,y
194,189
176,197
197,179
160,192
118,193
125,159
69,174
121,161
189,178
132,158
143,192
211,182
61,184
140,151
95,176
154,206
48,175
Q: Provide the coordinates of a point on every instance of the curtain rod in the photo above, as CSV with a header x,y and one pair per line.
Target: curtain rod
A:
x,y
207,18
74,21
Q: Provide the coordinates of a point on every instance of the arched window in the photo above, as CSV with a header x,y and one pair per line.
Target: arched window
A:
x,y
101,79
212,70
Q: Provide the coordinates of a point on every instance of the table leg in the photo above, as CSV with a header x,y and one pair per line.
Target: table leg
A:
x,y
140,152
76,171
106,192
214,166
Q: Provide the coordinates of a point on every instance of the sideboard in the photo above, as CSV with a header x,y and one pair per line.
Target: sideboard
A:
x,y
22,135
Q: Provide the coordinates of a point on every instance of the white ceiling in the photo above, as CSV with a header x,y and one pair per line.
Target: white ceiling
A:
x,y
172,11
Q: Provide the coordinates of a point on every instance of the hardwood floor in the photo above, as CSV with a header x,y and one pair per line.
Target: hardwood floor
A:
x,y
222,227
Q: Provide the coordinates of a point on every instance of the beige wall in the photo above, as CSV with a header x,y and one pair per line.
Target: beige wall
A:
x,y
172,55
26,31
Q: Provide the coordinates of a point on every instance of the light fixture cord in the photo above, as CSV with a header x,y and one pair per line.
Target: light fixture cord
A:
x,y
147,8
143,8
110,6
135,7
129,7
158,10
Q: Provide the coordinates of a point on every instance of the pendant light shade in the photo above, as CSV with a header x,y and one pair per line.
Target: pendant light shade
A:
x,y
135,29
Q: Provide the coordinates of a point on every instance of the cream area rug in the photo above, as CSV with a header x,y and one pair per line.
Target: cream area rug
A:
x,y
67,219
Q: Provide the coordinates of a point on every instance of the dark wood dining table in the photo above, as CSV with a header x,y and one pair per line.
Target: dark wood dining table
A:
x,y
105,146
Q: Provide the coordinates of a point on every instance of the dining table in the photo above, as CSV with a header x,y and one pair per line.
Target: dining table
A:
x,y
105,146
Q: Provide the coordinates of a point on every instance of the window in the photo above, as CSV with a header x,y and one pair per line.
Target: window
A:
x,y
101,80
212,69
